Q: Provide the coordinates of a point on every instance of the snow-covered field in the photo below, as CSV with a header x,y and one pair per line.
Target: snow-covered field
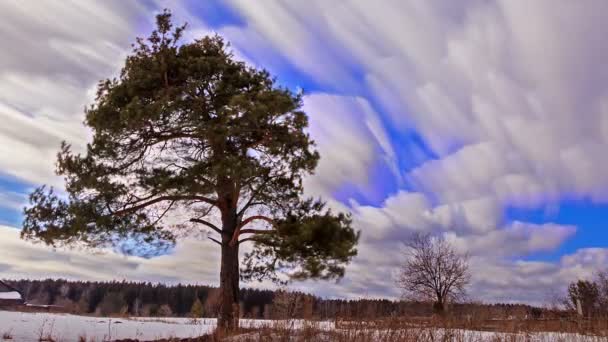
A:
x,y
67,328
32,326
25,326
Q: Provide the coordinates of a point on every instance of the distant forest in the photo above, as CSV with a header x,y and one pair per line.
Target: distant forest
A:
x,y
147,299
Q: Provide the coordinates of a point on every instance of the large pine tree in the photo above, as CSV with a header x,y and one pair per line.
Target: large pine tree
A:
x,y
187,138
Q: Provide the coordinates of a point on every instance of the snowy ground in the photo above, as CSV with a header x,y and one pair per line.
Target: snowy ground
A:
x,y
25,326
67,328
33,326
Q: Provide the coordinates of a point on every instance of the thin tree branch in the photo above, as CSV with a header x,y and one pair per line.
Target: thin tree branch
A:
x,y
256,217
208,224
214,240
247,239
164,198
164,213
255,231
254,193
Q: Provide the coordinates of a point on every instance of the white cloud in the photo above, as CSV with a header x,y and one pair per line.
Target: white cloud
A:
x,y
194,261
350,140
55,54
12,200
515,240
486,85
534,282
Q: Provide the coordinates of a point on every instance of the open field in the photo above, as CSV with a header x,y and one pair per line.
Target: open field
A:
x,y
34,326
18,326
29,326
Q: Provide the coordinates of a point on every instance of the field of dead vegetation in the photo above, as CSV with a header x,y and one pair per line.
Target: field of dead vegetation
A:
x,y
53,327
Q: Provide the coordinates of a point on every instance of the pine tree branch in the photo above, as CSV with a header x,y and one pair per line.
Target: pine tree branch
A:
x,y
214,240
208,224
254,194
164,213
255,231
238,231
256,217
163,198
247,239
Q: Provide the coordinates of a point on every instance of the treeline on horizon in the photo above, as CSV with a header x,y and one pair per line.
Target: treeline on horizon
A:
x,y
122,298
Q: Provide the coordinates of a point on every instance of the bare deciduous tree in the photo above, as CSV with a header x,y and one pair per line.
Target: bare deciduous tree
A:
x,y
601,279
434,271
584,297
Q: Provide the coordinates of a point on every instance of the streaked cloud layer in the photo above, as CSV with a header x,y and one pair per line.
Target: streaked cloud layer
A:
x,y
430,116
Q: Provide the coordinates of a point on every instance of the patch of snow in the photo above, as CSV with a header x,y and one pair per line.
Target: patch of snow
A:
x,y
10,295
25,326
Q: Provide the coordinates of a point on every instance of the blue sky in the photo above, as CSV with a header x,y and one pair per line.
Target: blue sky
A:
x,y
469,119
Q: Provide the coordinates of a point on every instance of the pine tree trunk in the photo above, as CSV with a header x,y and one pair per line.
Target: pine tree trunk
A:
x,y
228,317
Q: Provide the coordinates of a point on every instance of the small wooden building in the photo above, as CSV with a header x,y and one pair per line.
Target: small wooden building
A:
x,y
9,296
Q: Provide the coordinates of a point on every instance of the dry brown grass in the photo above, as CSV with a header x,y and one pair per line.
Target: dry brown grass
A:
x,y
399,335
597,327
419,330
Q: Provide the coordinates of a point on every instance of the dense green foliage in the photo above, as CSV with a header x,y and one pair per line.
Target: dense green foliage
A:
x,y
188,136
303,238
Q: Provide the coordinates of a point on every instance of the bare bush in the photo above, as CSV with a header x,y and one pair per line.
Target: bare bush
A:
x,y
7,335
434,271
601,279
584,297
286,304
